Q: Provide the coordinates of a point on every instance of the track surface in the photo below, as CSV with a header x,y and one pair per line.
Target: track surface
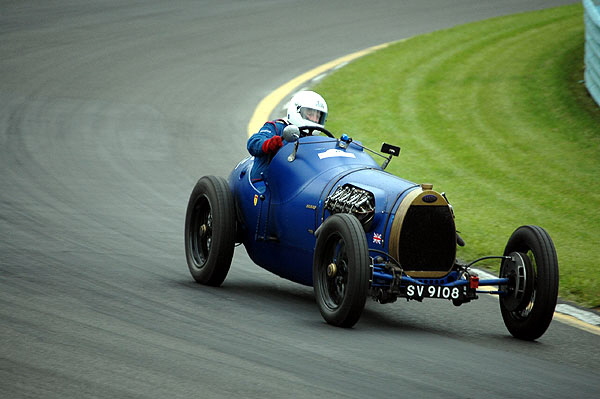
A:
x,y
109,113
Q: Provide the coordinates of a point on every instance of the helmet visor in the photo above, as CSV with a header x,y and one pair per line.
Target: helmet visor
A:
x,y
313,115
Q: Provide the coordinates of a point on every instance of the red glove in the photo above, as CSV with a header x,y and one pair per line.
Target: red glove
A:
x,y
272,145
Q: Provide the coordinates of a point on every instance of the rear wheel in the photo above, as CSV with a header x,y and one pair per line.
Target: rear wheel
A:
x,y
341,270
528,305
210,230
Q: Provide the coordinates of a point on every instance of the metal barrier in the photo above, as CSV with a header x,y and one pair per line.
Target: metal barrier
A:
x,y
592,47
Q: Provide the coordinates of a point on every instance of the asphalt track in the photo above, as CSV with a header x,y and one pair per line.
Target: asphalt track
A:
x,y
109,113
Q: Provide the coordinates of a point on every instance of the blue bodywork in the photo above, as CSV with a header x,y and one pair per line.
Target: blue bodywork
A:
x,y
308,213
278,217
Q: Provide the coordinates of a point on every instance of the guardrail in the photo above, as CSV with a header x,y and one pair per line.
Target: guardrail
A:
x,y
592,47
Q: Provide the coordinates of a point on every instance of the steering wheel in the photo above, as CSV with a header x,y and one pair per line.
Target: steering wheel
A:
x,y
308,131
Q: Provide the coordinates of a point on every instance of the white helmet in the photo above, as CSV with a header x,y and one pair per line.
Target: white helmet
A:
x,y
307,108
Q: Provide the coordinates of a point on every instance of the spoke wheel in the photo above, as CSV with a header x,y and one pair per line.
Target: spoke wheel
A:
x,y
528,306
341,270
210,231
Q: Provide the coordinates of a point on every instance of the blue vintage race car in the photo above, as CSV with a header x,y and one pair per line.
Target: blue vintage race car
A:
x,y
329,216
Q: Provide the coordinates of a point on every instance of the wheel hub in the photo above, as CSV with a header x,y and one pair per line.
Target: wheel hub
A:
x,y
520,289
331,270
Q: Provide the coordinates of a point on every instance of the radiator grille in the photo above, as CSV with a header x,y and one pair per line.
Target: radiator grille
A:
x,y
427,239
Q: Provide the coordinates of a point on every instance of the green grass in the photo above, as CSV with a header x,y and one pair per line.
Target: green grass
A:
x,y
495,114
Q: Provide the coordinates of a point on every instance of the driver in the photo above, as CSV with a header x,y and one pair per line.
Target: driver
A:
x,y
306,108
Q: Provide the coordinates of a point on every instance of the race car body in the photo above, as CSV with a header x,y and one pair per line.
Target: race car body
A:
x,y
328,215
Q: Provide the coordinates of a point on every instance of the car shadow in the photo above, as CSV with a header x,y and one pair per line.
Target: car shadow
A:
x,y
278,295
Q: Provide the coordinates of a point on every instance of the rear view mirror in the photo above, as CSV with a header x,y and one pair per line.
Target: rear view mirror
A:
x,y
291,133
390,149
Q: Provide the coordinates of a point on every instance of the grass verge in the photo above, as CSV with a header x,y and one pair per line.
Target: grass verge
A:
x,y
495,114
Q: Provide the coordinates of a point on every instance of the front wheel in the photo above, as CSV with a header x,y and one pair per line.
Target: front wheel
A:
x,y
210,230
528,305
341,270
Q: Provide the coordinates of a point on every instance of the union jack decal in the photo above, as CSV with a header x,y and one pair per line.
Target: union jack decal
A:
x,y
377,238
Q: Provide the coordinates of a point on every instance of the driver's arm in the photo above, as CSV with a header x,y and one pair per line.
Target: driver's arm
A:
x,y
266,141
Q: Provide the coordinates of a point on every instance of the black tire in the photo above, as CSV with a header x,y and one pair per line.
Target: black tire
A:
x,y
210,231
341,294
531,318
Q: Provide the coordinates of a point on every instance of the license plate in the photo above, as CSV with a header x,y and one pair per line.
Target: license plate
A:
x,y
434,291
